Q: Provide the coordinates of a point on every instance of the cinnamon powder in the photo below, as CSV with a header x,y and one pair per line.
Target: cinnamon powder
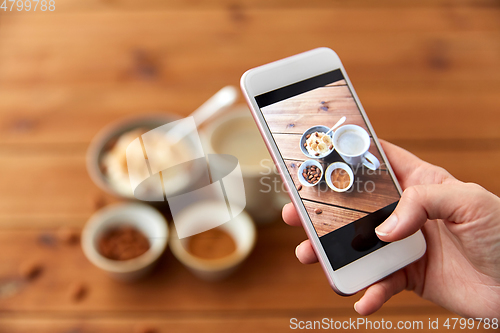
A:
x,y
211,244
123,243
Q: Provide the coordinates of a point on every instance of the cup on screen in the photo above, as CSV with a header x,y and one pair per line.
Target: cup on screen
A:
x,y
352,143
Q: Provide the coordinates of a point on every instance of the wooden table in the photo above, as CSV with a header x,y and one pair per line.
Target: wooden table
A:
x,y
428,74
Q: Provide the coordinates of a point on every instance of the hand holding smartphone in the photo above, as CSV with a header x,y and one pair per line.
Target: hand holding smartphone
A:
x,y
339,180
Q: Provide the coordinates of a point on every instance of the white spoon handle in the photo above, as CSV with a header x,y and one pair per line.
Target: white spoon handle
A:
x,y
340,122
222,99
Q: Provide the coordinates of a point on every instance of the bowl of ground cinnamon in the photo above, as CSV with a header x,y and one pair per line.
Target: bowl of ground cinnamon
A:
x,y
125,239
215,253
339,177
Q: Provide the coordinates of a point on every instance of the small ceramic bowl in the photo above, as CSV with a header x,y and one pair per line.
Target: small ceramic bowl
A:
x,y
241,228
317,128
305,164
142,217
109,135
328,175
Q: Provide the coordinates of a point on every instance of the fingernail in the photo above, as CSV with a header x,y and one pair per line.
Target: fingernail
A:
x,y
385,228
355,307
296,249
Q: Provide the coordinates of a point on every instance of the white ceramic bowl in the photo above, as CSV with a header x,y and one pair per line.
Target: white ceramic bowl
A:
x,y
241,228
305,164
317,128
338,165
144,218
103,142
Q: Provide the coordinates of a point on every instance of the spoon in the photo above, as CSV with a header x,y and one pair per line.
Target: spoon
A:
x,y
340,122
222,99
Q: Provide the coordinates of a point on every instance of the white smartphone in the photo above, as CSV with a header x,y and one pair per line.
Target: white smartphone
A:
x,y
339,180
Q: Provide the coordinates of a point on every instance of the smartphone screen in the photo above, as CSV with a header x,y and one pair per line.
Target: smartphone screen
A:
x,y
341,177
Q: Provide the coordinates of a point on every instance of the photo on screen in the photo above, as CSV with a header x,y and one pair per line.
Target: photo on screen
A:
x,y
340,175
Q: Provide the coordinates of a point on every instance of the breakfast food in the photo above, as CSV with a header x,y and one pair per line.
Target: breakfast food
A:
x,y
340,178
123,243
318,144
312,174
114,160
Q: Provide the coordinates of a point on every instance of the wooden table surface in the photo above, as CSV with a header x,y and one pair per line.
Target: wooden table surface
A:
x,y
427,73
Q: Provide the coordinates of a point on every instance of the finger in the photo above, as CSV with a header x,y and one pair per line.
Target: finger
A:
x,y
305,253
456,202
290,215
411,170
379,293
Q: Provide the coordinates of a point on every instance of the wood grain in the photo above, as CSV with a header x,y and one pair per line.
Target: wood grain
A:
x,y
321,106
48,185
20,168
298,124
433,50
438,68
215,323
396,111
427,73
289,146
325,101
370,192
330,218
172,288
147,5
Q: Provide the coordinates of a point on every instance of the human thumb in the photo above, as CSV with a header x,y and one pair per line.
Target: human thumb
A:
x,y
455,202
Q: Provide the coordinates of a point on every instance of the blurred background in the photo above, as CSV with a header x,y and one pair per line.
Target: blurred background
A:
x,y
427,73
